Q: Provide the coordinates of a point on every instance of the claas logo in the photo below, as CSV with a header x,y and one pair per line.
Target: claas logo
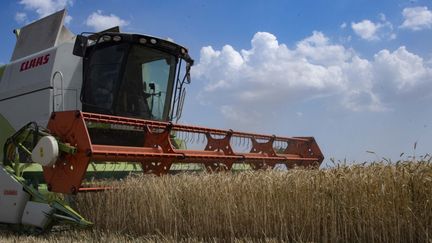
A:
x,y
10,192
35,62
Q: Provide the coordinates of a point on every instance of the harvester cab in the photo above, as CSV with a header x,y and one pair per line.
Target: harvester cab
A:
x,y
132,75
75,106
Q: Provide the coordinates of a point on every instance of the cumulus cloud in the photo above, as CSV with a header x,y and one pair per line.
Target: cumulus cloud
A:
x,y
417,18
343,25
98,21
372,31
21,17
45,7
401,73
366,29
270,73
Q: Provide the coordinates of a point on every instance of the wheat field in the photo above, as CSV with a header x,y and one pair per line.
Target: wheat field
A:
x,y
359,203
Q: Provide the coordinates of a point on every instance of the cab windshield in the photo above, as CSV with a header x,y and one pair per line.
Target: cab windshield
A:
x,y
129,80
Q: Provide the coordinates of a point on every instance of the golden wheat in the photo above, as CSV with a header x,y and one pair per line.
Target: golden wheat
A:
x,y
376,203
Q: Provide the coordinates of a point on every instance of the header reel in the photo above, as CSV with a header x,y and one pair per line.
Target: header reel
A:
x,y
156,152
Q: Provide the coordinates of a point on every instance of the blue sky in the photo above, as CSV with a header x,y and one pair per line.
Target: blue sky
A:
x,y
357,75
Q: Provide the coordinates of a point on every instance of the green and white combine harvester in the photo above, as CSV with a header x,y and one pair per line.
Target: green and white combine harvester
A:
x,y
77,108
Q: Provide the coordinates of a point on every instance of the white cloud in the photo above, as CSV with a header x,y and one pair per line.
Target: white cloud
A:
x,y
417,18
98,21
406,70
366,29
243,116
68,19
372,31
21,17
243,82
361,100
45,7
382,17
343,25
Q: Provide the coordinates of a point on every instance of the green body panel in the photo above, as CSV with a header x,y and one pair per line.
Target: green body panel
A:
x,y
2,68
6,130
62,212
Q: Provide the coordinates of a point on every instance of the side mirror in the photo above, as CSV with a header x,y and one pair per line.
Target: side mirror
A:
x,y
180,105
80,46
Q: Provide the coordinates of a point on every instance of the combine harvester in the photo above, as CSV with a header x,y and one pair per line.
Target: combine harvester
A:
x,y
74,107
